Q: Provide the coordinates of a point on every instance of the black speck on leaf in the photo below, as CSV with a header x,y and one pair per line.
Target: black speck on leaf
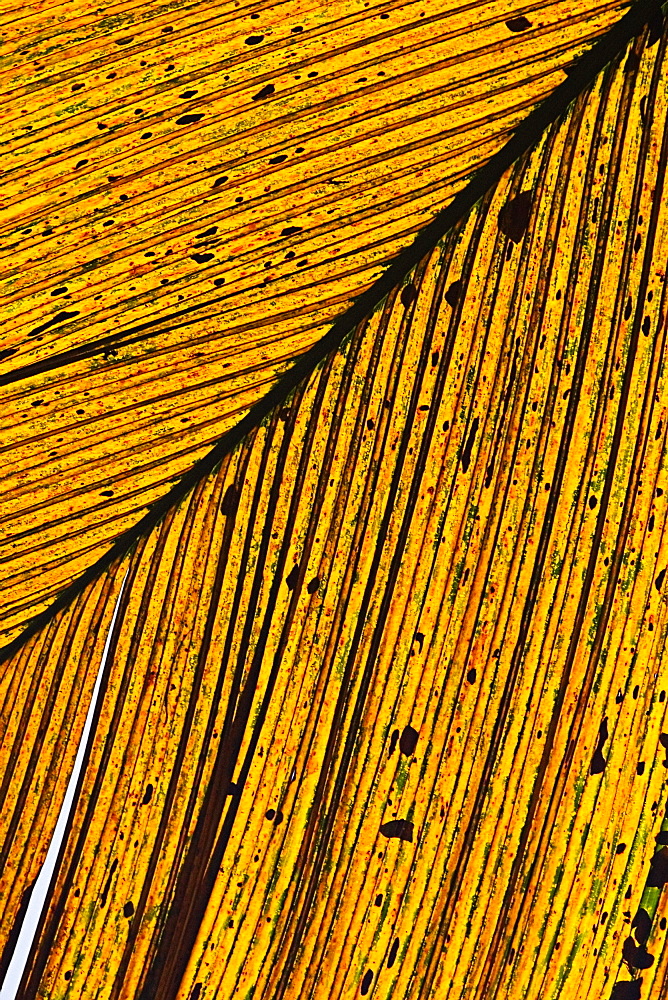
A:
x,y
408,294
187,94
81,163
408,741
663,740
598,761
453,294
168,30
254,39
124,41
291,230
468,446
626,990
471,676
60,290
518,24
393,742
107,884
658,583
292,577
265,92
642,925
220,180
279,159
658,869
202,258
7,353
366,982
270,813
58,318
189,119
313,585
514,216
635,955
128,909
402,829
391,958
297,29
230,501
148,795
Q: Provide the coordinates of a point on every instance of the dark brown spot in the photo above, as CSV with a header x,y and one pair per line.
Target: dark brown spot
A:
x,y
598,761
366,982
626,990
230,501
408,741
636,957
408,294
642,925
658,869
514,216
391,958
402,829
453,294
518,24
265,92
